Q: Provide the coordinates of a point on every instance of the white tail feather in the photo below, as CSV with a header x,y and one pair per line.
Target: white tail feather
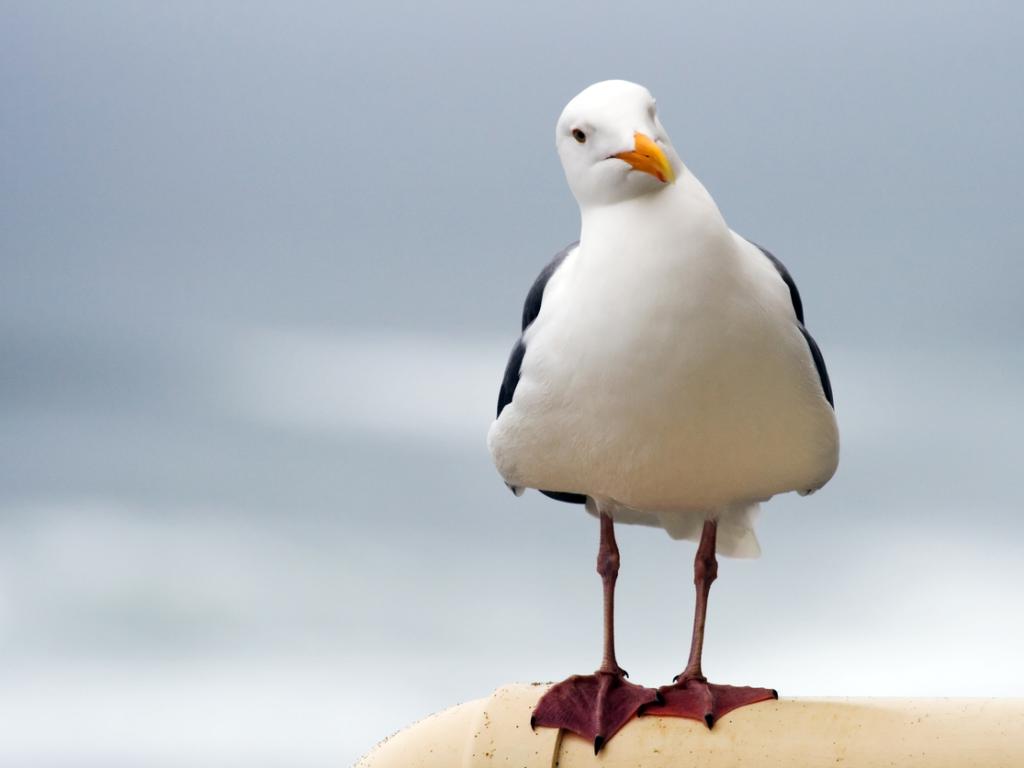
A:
x,y
736,536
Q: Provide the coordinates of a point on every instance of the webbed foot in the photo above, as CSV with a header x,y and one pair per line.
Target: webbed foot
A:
x,y
698,699
593,706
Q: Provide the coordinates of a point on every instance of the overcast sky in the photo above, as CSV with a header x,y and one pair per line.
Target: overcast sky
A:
x,y
261,267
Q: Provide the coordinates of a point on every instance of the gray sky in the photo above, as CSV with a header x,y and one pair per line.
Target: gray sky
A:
x,y
261,266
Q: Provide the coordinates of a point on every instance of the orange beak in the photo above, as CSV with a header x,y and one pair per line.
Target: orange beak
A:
x,y
648,157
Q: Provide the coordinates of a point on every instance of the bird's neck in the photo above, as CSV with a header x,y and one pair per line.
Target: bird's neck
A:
x,y
678,213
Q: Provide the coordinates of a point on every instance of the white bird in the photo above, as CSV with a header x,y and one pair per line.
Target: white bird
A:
x,y
664,377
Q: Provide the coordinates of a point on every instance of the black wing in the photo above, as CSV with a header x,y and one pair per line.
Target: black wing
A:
x,y
531,308
511,379
798,308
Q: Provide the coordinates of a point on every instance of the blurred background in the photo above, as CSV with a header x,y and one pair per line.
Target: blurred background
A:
x,y
262,264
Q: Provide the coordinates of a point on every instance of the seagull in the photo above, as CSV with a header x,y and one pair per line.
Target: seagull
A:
x,y
664,377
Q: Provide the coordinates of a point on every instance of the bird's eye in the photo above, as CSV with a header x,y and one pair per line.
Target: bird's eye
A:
x,y
579,135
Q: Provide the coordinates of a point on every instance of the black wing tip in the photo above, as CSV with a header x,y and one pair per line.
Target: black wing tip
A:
x,y
568,498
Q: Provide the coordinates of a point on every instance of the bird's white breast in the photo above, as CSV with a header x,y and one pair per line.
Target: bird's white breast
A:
x,y
666,370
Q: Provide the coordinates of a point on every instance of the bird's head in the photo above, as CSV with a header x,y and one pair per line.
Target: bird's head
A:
x,y
612,145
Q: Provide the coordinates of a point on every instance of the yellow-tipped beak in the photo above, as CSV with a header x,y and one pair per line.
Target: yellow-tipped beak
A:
x,y
648,157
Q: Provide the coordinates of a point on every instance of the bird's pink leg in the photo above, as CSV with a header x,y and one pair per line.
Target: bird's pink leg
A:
x,y
608,570
596,706
705,571
692,695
